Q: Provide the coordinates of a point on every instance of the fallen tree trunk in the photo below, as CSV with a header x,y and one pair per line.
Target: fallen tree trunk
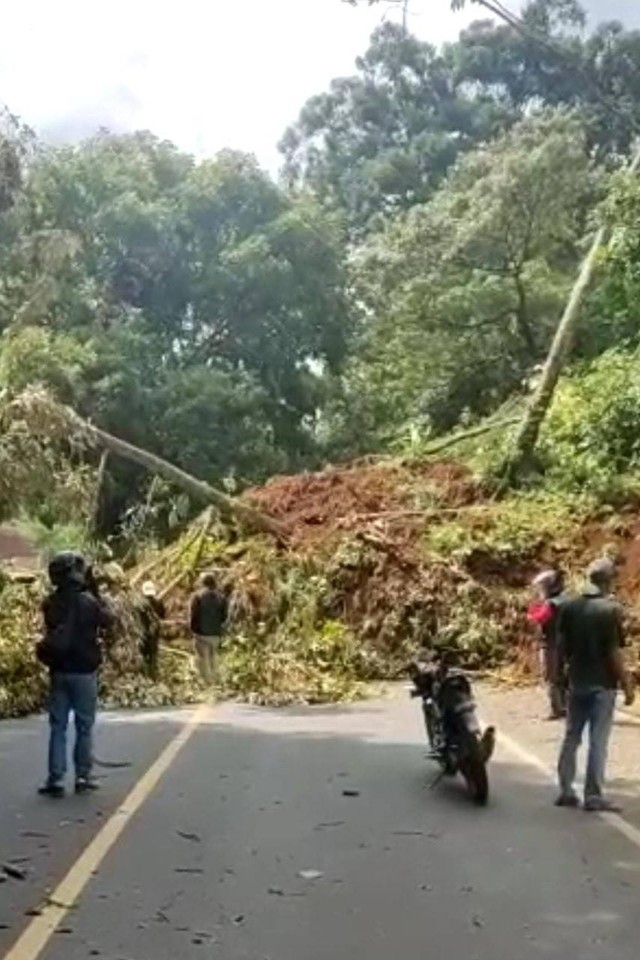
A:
x,y
198,489
44,415
470,434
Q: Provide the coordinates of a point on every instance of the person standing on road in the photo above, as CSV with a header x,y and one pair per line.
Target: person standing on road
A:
x,y
591,637
208,616
545,613
74,614
152,614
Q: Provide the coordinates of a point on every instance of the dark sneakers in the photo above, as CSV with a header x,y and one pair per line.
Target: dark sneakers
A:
x,y
569,800
51,789
86,785
591,804
601,805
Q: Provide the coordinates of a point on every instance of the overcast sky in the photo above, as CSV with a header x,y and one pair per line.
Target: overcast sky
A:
x,y
204,73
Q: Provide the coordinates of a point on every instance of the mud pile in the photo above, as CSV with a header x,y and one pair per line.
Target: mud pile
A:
x,y
384,562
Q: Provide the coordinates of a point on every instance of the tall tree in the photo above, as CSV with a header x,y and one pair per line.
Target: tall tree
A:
x,y
382,140
207,306
524,446
462,293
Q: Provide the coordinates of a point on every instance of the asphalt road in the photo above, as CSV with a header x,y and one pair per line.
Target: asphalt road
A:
x,y
311,834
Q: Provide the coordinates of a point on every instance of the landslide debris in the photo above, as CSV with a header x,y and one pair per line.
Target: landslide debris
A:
x,y
383,561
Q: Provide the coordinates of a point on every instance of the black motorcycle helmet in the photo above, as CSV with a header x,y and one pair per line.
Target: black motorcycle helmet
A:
x,y
66,568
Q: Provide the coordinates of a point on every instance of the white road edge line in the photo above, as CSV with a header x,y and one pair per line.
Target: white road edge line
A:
x,y
525,756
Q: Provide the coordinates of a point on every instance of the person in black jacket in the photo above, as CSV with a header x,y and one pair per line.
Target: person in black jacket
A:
x,y
208,615
73,616
591,638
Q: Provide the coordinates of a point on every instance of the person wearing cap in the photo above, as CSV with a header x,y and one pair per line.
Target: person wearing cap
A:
x,y
208,615
544,612
75,616
591,642
152,613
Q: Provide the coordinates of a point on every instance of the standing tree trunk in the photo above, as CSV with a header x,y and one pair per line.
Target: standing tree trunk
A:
x,y
527,435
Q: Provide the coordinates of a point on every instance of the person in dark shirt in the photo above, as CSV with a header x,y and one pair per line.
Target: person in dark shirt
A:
x,y
545,613
73,616
208,615
152,613
591,651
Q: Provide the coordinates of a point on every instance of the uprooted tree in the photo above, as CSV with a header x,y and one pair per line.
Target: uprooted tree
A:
x,y
41,417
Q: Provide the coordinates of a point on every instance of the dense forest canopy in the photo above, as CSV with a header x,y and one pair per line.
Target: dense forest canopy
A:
x,y
403,277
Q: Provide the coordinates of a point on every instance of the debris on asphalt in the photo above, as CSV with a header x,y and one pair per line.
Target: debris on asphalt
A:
x,y
52,902
189,870
13,872
329,825
310,874
193,837
350,793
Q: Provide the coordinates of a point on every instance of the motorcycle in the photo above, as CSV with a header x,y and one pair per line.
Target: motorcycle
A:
x,y
453,729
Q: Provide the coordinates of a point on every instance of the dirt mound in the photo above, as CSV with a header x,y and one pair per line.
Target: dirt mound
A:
x,y
315,505
385,562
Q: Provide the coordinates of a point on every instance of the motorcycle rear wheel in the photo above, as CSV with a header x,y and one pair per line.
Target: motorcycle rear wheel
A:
x,y
474,771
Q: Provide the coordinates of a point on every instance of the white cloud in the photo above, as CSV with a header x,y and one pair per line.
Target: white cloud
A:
x,y
204,73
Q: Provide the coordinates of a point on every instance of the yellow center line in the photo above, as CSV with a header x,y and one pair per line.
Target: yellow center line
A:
x,y
35,937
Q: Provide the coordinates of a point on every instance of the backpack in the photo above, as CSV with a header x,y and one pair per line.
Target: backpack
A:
x,y
57,641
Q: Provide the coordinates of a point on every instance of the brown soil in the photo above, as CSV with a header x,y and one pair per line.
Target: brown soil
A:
x,y
362,531
315,505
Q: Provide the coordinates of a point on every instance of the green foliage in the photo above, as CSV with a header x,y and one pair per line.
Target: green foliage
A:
x,y
50,538
22,681
192,309
316,664
463,294
382,140
16,141
514,529
38,356
616,303
590,441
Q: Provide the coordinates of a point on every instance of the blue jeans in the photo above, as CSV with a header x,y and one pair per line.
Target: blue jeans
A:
x,y
77,692
594,707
